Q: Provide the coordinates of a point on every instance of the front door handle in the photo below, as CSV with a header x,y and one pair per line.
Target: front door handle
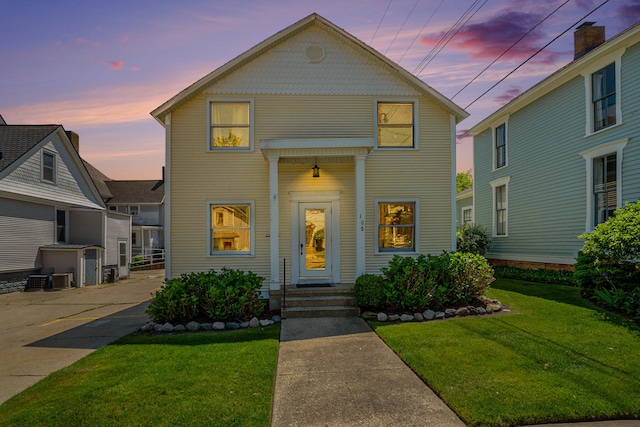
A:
x,y
301,248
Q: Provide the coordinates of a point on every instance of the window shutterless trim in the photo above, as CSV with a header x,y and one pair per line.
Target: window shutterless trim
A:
x,y
209,143
54,166
209,234
416,108
496,183
614,57
494,142
416,227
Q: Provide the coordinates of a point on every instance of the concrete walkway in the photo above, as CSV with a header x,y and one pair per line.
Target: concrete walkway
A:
x,y
338,372
45,331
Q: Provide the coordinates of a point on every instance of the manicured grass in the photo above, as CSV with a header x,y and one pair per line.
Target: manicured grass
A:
x,y
555,359
212,379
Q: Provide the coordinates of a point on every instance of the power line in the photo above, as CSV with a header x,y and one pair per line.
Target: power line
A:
x,y
402,26
509,48
380,23
450,34
421,30
537,52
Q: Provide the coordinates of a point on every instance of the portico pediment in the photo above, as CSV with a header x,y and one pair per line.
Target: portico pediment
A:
x,y
301,148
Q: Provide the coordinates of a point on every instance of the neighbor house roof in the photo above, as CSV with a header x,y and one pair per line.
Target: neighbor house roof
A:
x,y
136,192
575,68
16,140
313,19
99,179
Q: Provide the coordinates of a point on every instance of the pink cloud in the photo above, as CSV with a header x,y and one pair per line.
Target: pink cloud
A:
x,y
508,95
116,65
489,39
80,40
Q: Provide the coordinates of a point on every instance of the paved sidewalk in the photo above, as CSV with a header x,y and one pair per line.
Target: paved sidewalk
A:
x,y
45,331
338,372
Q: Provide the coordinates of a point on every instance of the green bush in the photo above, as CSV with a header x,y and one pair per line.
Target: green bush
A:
x,y
608,268
368,291
230,295
552,277
450,279
473,238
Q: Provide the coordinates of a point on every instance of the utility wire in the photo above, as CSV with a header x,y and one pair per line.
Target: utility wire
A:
x,y
380,23
509,48
421,30
455,28
539,50
402,26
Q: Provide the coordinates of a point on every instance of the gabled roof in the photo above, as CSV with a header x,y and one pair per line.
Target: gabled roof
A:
x,y
627,38
136,192
16,140
99,179
313,19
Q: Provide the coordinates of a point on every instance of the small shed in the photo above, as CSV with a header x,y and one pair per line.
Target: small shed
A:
x,y
73,264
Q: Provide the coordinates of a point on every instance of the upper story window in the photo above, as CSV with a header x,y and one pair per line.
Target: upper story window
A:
x,y
231,228
133,210
48,166
396,124
603,97
500,138
230,125
396,226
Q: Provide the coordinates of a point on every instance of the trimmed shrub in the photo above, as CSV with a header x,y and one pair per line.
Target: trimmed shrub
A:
x,y
450,279
230,295
473,238
552,277
608,267
368,291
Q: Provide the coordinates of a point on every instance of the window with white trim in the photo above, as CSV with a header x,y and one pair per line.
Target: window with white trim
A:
x,y
603,97
396,124
466,216
500,147
230,125
231,228
605,186
500,188
396,230
48,171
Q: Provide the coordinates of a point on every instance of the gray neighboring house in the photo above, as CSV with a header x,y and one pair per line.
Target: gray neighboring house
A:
x,y
558,159
464,207
143,200
55,229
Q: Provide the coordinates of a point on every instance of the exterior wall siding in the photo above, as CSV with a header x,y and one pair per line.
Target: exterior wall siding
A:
x,y
547,193
24,227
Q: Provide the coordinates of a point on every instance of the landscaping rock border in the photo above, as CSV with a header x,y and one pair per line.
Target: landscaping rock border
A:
x,y
194,326
490,306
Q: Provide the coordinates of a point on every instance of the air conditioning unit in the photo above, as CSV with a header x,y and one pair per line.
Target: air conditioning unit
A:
x,y
61,280
37,282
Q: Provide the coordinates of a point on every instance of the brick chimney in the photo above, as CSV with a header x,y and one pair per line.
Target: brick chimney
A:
x,y
74,138
586,38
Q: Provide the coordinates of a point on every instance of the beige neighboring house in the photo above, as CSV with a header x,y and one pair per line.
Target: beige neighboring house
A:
x,y
310,149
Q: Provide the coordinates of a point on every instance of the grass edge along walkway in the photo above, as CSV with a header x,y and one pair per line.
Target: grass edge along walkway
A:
x,y
207,378
556,359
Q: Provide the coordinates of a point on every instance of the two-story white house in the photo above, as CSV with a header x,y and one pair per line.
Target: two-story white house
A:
x,y
561,157
311,150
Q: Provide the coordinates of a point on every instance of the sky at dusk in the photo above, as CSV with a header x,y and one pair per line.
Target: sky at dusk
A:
x,y
100,67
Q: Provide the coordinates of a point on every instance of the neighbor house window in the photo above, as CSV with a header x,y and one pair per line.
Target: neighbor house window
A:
x,y
501,146
603,97
466,216
61,226
396,126
230,125
48,166
396,226
605,187
134,210
500,206
231,228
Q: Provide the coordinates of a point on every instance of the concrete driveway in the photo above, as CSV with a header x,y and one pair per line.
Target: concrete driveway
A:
x,y
45,331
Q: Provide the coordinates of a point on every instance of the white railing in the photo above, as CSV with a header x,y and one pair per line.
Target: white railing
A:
x,y
149,258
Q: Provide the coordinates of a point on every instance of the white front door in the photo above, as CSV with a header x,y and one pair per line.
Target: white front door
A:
x,y
315,242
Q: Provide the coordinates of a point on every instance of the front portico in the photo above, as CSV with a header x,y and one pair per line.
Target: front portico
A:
x,y
313,210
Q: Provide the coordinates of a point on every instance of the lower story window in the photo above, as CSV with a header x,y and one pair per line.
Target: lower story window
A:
x,y
605,185
501,210
396,226
466,216
230,228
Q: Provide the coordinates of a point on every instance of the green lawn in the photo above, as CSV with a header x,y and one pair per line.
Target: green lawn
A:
x,y
212,379
555,359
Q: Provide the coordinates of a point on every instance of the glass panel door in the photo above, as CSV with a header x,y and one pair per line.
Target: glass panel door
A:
x,y
315,239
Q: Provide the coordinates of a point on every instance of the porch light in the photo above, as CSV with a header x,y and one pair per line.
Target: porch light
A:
x,y
316,171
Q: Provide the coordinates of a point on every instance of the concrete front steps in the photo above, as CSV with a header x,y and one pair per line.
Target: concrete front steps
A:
x,y
318,302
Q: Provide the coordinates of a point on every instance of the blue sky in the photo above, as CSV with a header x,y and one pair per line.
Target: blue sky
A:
x,y
99,68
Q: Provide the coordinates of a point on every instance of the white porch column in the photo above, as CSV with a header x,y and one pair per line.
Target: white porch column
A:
x,y
361,264
274,218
